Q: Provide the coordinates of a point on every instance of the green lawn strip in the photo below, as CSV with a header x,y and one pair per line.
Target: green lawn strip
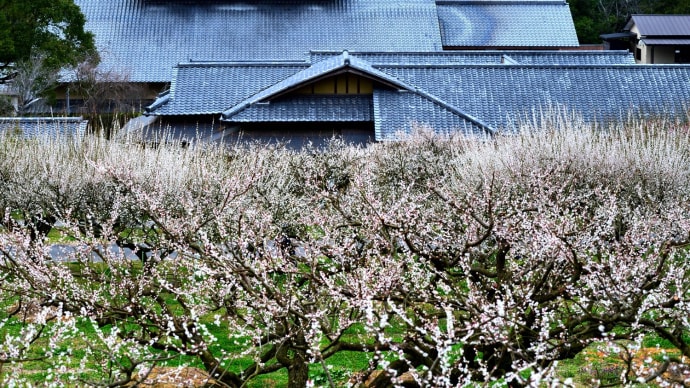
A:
x,y
588,365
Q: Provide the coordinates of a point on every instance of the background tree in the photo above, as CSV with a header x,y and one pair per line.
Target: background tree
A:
x,y
52,27
102,90
107,97
33,78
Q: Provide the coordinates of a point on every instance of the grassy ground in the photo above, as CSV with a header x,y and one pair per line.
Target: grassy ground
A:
x,y
592,364
598,365
340,367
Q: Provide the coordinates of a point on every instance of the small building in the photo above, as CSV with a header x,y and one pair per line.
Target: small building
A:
x,y
659,39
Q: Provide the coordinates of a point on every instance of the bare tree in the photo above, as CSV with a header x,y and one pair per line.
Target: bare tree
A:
x,y
32,79
103,90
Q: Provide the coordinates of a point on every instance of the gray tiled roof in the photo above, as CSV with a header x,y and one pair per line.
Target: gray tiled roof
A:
x,y
309,109
504,23
499,94
207,88
661,25
472,98
400,113
226,84
44,126
147,38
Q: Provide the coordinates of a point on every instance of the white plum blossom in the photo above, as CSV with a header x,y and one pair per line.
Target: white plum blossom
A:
x,y
445,262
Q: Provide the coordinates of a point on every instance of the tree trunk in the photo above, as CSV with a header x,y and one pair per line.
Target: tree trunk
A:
x,y
298,371
293,355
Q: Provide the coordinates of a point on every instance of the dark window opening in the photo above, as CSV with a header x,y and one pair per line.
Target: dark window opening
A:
x,y
682,55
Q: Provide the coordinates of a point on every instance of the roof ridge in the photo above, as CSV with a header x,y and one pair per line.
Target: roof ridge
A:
x,y
160,101
335,63
245,63
536,65
473,52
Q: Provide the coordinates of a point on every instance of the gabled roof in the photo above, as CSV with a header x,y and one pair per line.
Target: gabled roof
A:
x,y
659,26
148,38
226,84
506,24
320,70
448,96
43,126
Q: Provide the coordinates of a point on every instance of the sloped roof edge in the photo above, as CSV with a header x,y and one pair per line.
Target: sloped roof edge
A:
x,y
344,61
452,108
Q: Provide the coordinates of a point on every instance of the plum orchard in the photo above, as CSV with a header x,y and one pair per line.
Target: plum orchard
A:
x,y
443,262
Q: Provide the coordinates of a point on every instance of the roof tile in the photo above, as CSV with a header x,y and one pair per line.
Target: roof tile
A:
x,y
147,38
506,24
44,126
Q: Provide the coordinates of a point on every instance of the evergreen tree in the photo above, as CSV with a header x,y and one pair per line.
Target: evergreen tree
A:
x,y
54,28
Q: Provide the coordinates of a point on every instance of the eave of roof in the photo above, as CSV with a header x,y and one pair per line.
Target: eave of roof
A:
x,y
617,35
667,41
